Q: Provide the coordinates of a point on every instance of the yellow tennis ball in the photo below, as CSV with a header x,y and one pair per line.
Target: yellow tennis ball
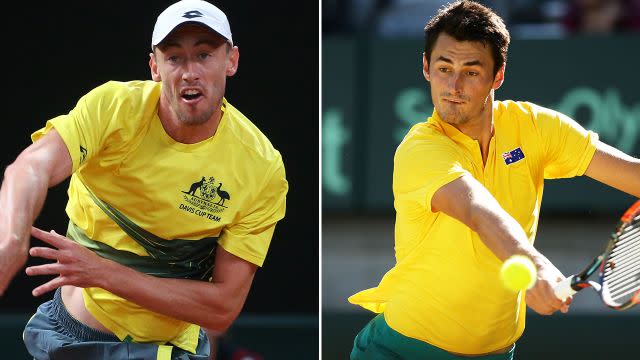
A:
x,y
518,273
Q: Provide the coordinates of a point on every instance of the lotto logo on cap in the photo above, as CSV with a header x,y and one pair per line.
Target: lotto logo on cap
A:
x,y
190,11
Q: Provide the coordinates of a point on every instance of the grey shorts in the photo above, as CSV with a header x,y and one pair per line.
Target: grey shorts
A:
x,y
52,333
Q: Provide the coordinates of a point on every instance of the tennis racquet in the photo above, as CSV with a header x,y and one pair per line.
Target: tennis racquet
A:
x,y
619,267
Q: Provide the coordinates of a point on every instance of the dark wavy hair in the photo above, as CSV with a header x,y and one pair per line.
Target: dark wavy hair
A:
x,y
469,21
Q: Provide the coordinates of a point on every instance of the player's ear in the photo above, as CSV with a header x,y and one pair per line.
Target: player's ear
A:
x,y
153,66
499,78
232,60
425,67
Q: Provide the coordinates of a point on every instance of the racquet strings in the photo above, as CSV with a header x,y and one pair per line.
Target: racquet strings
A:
x,y
622,269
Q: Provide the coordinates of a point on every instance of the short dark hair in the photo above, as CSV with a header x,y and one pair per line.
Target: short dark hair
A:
x,y
469,21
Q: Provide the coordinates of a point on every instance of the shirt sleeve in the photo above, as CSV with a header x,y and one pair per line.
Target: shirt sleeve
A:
x,y
250,237
423,167
86,128
567,146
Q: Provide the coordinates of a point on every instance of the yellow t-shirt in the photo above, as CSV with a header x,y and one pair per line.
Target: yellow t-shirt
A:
x,y
444,288
231,186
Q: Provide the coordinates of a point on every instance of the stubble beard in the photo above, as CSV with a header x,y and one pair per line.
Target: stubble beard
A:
x,y
458,117
454,118
451,114
195,119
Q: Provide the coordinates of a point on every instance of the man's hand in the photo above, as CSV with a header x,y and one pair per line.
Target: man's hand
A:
x,y
541,297
13,256
75,264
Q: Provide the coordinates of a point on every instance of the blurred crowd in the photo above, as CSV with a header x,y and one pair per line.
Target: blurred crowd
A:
x,y
525,18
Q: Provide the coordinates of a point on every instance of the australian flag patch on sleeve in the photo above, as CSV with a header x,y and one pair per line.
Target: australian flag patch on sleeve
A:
x,y
513,156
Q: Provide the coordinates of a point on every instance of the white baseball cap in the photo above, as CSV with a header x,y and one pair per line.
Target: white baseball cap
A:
x,y
190,11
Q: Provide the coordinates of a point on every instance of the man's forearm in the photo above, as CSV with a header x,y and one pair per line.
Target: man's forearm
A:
x,y
503,235
468,201
197,302
21,199
615,168
24,188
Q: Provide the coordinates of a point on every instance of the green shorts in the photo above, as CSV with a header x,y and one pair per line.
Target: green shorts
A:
x,y
377,341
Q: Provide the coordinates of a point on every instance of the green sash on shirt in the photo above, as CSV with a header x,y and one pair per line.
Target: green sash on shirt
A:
x,y
175,258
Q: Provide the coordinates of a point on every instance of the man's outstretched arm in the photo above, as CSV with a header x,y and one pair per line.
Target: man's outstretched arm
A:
x,y
212,305
40,166
613,167
468,201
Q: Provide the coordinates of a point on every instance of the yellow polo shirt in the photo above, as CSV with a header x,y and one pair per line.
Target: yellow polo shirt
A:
x,y
444,288
231,186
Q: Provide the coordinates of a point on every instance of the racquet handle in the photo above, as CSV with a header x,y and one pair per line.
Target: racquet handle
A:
x,y
563,289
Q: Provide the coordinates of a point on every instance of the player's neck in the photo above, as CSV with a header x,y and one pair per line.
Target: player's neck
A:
x,y
480,129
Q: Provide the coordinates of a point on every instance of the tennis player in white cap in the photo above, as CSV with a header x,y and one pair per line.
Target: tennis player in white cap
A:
x,y
173,200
